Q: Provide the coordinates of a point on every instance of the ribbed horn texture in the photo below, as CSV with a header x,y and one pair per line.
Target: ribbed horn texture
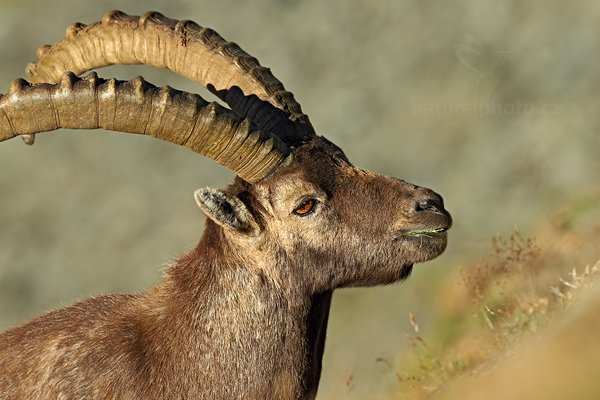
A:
x,y
139,107
183,47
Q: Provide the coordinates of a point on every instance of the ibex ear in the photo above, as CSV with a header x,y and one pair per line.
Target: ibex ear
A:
x,y
226,210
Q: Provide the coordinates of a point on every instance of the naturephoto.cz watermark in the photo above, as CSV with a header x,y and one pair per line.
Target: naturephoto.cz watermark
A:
x,y
482,109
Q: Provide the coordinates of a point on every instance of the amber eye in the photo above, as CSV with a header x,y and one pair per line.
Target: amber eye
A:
x,y
306,207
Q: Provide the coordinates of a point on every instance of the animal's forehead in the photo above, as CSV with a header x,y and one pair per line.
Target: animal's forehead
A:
x,y
320,148
320,160
317,167
294,187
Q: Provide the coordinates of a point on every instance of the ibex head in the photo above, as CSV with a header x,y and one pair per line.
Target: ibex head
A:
x,y
299,199
335,224
249,305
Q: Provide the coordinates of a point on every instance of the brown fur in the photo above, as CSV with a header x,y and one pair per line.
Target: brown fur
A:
x,y
242,316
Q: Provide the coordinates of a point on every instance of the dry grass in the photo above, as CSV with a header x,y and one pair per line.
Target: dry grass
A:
x,y
518,291
560,362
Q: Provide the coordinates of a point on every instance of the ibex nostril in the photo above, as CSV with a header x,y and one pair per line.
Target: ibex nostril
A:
x,y
430,203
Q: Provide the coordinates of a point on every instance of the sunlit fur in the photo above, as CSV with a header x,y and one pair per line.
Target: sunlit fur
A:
x,y
244,314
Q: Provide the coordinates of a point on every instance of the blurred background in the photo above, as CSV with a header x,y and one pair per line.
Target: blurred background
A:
x,y
492,104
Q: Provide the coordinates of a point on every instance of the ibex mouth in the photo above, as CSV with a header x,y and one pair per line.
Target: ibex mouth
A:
x,y
428,232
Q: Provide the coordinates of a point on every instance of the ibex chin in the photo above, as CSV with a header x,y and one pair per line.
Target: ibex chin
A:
x,y
244,314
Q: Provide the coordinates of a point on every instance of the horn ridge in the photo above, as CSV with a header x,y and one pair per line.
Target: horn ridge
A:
x,y
138,107
186,48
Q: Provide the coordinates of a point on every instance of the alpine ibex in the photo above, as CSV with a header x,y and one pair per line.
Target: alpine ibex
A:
x,y
244,314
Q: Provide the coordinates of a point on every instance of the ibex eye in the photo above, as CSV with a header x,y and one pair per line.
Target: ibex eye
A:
x,y
305,207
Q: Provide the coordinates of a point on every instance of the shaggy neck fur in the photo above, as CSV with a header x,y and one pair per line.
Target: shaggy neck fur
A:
x,y
208,331
263,337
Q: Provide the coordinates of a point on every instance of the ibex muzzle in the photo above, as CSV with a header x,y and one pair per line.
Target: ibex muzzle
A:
x,y
244,314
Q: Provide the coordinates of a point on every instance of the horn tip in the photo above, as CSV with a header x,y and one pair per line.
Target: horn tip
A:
x,y
28,139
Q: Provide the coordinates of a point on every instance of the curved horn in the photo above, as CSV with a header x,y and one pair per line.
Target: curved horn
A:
x,y
139,107
186,48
